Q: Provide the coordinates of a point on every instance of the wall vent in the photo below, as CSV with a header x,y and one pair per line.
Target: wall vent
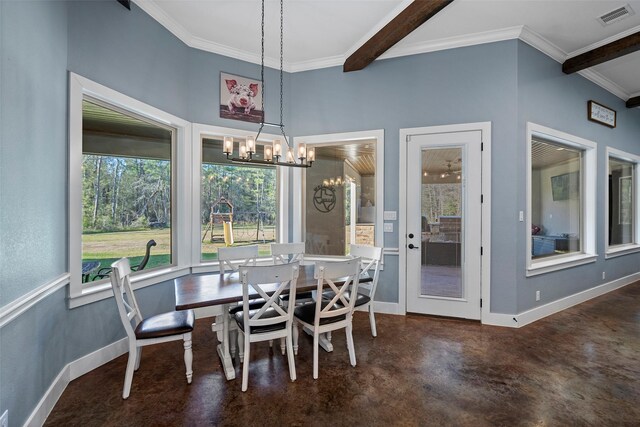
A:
x,y
616,15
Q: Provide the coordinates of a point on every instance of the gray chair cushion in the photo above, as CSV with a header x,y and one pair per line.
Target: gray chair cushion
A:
x,y
307,314
239,318
166,324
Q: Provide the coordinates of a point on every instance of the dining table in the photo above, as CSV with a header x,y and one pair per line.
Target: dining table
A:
x,y
225,290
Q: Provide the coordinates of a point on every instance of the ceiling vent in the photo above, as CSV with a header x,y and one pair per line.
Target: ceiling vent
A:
x,y
616,15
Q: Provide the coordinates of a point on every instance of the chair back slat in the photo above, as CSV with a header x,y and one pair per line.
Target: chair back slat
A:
x,y
328,273
231,258
371,259
263,279
285,253
124,296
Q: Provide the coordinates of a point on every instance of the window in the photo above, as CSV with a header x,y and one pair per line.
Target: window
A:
x,y
254,199
127,161
561,200
238,202
126,190
622,202
340,197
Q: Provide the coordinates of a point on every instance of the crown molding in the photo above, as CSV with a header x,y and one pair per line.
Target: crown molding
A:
x,y
522,32
454,42
606,41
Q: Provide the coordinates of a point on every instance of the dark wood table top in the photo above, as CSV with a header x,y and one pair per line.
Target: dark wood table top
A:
x,y
207,289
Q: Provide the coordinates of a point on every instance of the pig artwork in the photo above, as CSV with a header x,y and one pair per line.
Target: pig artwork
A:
x,y
241,96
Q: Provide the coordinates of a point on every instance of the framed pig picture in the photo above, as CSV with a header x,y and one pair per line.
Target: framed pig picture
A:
x,y
240,98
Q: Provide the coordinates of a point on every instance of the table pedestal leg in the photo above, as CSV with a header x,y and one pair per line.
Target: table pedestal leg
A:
x,y
223,348
322,340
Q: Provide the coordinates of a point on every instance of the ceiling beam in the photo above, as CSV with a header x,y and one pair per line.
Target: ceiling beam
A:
x,y
633,102
414,15
613,50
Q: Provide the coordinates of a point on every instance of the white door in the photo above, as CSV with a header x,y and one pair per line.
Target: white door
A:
x,y
444,213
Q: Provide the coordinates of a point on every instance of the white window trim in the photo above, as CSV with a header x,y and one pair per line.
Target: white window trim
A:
x,y
628,248
299,181
588,199
200,131
79,293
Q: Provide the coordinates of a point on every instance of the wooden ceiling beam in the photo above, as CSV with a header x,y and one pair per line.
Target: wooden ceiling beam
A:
x,y
414,15
633,102
613,50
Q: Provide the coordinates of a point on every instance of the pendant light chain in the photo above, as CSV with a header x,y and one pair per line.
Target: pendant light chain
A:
x,y
262,64
281,55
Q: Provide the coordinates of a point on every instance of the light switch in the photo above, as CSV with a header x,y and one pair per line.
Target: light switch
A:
x,y
388,227
521,216
390,215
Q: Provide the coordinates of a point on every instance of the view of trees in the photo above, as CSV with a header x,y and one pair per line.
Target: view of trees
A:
x,y
120,193
441,200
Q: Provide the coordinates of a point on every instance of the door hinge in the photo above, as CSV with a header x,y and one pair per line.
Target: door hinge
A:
x,y
480,250
482,198
480,302
482,146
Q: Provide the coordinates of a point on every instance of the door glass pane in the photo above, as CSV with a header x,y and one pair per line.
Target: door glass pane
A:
x,y
442,222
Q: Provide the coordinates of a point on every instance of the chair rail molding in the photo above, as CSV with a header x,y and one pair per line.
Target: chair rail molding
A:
x,y
15,308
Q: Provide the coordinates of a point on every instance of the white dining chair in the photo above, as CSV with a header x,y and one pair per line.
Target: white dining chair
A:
x,y
371,257
172,326
271,321
324,316
284,253
230,258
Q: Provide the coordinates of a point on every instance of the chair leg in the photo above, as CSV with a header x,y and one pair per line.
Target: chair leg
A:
x,y
188,357
295,333
128,376
350,346
292,363
372,320
245,366
282,345
316,338
138,356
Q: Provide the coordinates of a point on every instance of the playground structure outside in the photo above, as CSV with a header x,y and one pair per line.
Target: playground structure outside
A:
x,y
110,246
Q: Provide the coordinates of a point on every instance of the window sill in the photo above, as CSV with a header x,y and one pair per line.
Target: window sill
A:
x,y
102,290
619,250
560,263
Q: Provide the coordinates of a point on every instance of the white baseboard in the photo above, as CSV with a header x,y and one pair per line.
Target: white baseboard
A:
x,y
500,319
49,400
383,307
553,307
70,372
91,361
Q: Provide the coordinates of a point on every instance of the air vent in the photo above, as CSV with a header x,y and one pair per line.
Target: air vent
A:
x,y
616,15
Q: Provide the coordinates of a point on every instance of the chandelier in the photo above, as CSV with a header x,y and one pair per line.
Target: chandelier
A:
x,y
274,152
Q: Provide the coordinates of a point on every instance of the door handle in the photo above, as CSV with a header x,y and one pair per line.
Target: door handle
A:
x,y
411,235
411,246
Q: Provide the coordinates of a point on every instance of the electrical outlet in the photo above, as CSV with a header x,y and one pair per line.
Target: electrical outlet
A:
x,y
537,295
603,275
4,419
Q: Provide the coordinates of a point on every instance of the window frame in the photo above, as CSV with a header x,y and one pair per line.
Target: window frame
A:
x,y
200,131
79,89
625,248
588,173
299,183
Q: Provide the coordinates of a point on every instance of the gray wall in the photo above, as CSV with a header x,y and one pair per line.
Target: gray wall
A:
x,y
33,182
548,97
507,83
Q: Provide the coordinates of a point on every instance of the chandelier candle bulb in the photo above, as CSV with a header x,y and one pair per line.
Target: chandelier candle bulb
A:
x,y
268,153
243,149
251,145
325,182
228,145
290,155
311,155
302,152
277,148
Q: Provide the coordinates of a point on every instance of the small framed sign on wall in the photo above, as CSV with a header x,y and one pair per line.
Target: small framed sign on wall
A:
x,y
600,114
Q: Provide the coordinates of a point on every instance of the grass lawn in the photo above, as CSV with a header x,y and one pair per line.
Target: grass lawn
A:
x,y
109,247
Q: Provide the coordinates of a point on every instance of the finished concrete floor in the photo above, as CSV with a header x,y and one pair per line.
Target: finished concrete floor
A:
x,y
580,367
